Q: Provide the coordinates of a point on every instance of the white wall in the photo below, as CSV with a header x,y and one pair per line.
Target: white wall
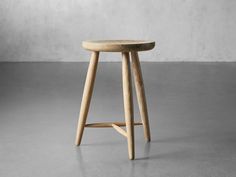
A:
x,y
52,30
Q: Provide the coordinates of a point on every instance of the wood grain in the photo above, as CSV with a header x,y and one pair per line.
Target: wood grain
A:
x,y
119,130
140,92
109,124
87,94
128,103
118,45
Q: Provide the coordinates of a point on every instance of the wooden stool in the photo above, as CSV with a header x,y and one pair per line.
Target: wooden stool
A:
x,y
125,47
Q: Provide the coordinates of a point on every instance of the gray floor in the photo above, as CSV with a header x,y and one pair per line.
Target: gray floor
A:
x,y
192,108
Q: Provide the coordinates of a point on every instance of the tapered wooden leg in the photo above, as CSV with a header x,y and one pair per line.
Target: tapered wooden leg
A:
x,y
128,103
140,92
88,89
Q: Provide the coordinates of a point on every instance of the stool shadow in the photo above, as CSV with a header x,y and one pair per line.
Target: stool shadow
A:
x,y
170,155
81,163
146,152
175,154
177,139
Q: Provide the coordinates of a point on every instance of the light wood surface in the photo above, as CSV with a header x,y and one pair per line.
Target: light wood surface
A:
x,y
126,47
120,130
140,92
109,124
118,45
88,89
128,102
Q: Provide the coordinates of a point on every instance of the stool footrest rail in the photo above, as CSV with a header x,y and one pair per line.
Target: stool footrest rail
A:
x,y
116,125
109,124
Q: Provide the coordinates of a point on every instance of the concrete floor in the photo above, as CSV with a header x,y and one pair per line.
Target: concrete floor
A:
x,y
192,109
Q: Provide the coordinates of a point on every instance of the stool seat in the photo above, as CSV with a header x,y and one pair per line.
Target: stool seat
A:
x,y
118,45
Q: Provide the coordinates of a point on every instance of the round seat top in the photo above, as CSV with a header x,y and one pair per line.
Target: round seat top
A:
x,y
118,45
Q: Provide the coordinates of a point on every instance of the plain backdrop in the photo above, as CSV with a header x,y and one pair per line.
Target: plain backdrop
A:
x,y
52,30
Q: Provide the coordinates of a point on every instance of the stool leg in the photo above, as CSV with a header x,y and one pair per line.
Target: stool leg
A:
x,y
87,94
140,92
128,102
